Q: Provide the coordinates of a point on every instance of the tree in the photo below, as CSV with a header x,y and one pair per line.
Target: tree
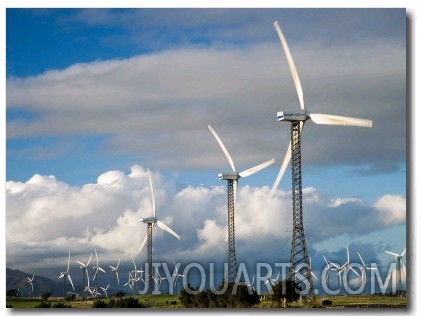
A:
x,y
288,290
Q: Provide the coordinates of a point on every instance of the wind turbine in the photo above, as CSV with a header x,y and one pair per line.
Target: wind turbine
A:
x,y
250,285
346,267
176,274
115,274
363,269
151,221
65,275
332,267
105,289
97,268
30,281
232,178
297,118
398,269
84,267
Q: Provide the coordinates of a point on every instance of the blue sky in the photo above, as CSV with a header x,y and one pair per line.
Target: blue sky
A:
x,y
94,97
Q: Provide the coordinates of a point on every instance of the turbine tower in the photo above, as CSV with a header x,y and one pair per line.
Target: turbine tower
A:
x,y
65,275
232,178
398,269
151,221
297,118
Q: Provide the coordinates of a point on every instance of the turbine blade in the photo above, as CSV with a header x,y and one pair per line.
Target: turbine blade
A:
x,y
392,253
152,193
223,148
257,168
285,163
167,229
82,264
143,243
96,256
283,168
291,65
68,262
348,257
353,269
89,260
363,263
404,251
327,119
68,276
118,262
117,275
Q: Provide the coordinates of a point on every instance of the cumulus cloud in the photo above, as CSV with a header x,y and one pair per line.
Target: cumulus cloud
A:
x,y
45,218
392,209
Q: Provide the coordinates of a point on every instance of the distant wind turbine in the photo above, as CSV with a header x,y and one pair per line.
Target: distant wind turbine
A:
x,y
31,281
232,179
363,269
297,118
84,267
65,275
151,221
346,267
398,269
97,268
115,274
176,274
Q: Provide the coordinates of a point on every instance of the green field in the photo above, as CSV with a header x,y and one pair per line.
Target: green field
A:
x,y
172,301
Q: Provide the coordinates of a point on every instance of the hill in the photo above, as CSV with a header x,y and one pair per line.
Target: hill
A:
x,y
17,280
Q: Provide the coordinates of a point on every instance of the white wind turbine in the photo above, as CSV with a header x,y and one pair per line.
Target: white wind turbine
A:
x,y
176,274
97,268
398,269
232,179
151,221
84,267
104,289
250,285
65,275
297,118
115,274
346,267
363,269
332,267
31,281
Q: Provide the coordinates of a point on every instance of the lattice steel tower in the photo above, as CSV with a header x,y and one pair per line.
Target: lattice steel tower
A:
x,y
232,180
231,258
151,221
299,260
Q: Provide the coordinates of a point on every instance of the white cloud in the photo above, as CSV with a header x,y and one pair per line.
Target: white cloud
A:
x,y
44,213
392,209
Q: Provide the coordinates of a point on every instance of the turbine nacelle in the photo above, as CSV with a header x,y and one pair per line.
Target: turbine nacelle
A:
x,y
228,176
149,220
296,115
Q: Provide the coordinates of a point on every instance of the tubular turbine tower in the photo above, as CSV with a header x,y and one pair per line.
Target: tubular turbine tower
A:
x,y
299,260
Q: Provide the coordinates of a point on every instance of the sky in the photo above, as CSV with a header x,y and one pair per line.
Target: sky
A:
x,y
96,97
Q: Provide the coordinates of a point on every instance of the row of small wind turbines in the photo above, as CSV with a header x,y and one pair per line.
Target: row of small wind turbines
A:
x,y
344,269
134,276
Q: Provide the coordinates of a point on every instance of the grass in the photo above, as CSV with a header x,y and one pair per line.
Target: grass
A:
x,y
168,301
